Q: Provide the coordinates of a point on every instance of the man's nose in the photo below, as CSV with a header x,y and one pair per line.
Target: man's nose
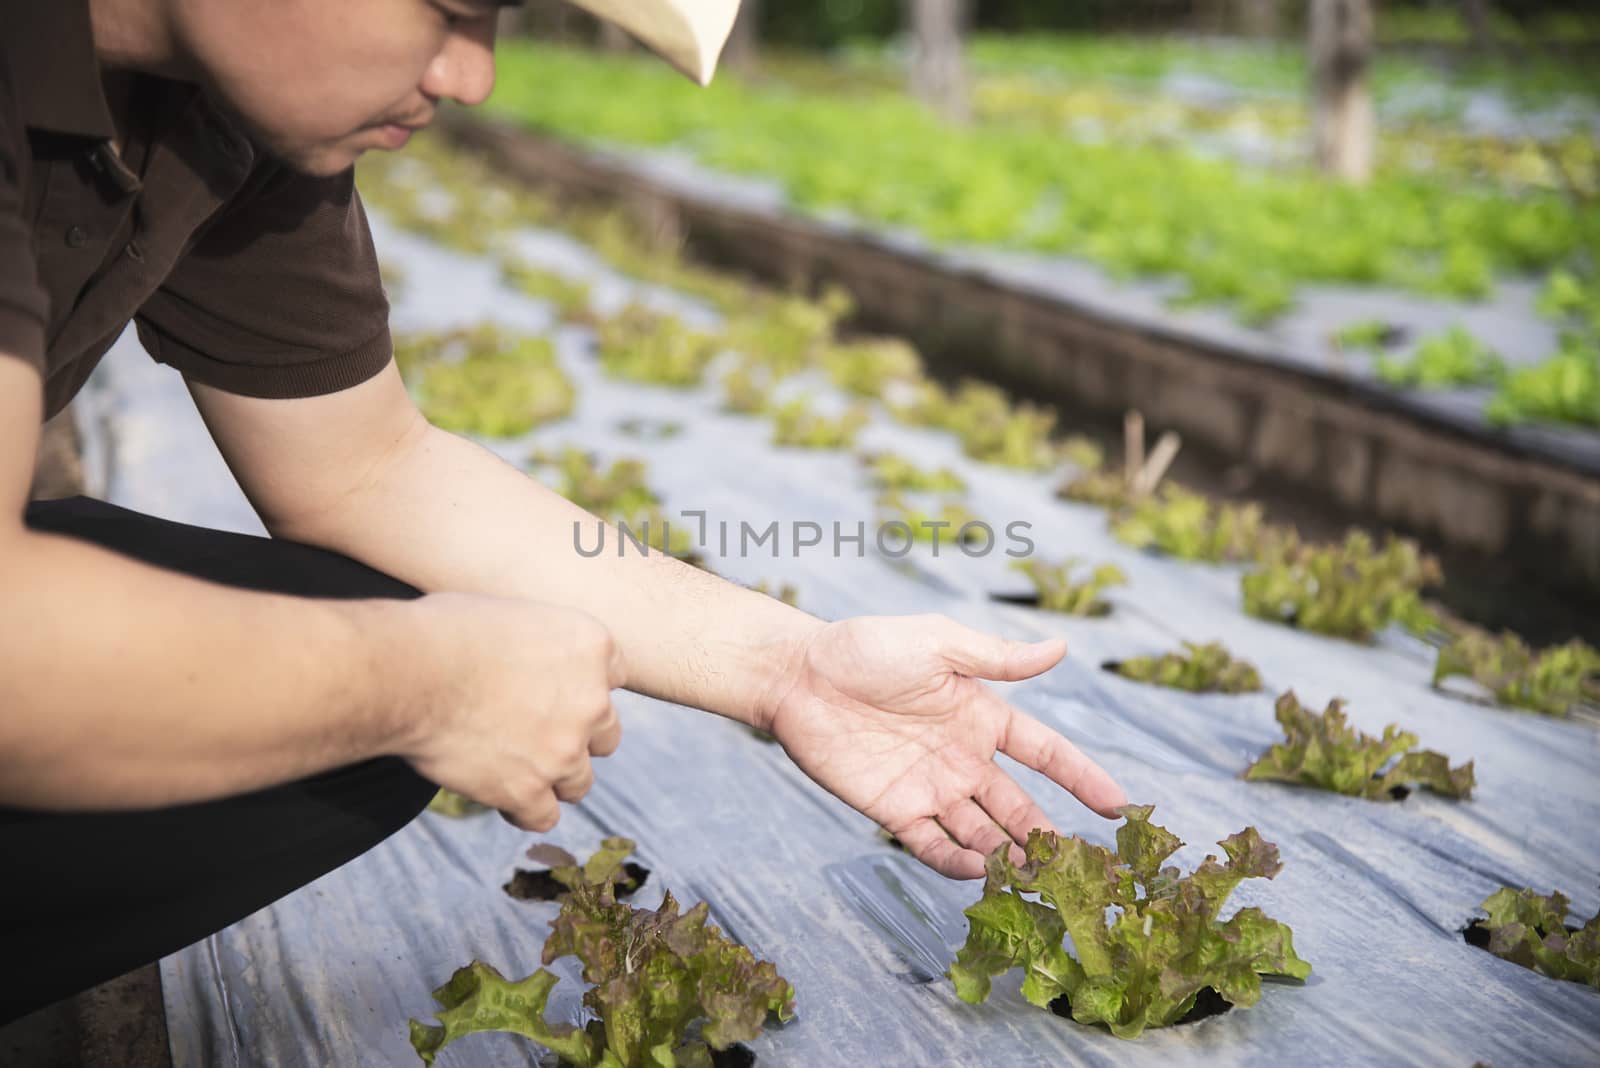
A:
x,y
464,68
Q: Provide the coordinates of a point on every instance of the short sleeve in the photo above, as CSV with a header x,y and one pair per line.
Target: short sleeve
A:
x,y
24,306
280,295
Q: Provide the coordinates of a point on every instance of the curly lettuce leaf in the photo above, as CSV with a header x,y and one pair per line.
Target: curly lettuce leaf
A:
x,y
654,974
1325,752
1530,929
478,998
1146,940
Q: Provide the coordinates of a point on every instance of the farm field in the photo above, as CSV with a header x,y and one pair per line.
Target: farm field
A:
x,y
1377,892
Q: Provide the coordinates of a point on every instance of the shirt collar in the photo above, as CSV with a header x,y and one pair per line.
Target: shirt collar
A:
x,y
50,49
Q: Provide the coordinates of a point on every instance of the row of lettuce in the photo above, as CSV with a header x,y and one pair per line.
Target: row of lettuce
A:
x,y
1232,234
667,987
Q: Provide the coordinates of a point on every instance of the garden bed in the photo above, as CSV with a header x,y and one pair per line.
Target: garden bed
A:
x,y
1280,406
1376,893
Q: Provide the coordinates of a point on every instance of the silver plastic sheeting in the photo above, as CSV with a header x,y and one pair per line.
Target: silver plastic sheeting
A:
x,y
1376,893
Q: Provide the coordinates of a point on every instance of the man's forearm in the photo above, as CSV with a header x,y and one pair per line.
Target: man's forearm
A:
x,y
123,685
444,514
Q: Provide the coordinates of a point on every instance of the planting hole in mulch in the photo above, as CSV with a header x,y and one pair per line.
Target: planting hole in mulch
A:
x,y
1027,600
1207,1003
540,885
1031,600
735,1056
1476,933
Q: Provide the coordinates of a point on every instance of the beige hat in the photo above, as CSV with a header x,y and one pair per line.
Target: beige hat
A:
x,y
687,33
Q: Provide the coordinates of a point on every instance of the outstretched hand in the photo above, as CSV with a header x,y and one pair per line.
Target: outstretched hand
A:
x,y
888,714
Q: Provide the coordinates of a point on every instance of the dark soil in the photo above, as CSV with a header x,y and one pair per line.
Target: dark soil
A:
x,y
735,1056
1207,1003
540,885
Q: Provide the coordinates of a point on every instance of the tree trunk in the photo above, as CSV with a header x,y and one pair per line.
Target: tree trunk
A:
x,y
938,68
1260,18
744,44
1480,25
1344,127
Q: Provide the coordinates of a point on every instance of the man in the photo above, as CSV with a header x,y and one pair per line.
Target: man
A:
x,y
192,723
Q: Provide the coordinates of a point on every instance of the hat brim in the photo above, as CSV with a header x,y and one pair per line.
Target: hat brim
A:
x,y
689,34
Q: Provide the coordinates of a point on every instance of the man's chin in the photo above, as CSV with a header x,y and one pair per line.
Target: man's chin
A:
x,y
320,162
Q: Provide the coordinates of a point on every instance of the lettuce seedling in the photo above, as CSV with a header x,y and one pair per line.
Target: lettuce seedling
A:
x,y
1207,668
569,297
1531,929
890,471
990,427
620,495
955,523
1059,592
1453,358
1563,388
655,975
1369,335
867,367
1187,525
1324,751
1549,681
747,388
1346,590
454,805
643,345
485,380
787,333
795,425
1146,940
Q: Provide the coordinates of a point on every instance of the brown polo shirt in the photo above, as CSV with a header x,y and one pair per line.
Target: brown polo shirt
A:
x,y
238,272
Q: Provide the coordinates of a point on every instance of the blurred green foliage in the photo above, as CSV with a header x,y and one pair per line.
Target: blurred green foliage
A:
x,y
1059,589
1207,668
1236,235
1549,681
485,380
1349,590
1453,358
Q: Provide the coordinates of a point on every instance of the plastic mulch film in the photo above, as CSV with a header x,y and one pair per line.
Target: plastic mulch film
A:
x,y
1377,894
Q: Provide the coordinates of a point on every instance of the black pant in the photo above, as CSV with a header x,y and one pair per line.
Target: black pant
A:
x,y
85,897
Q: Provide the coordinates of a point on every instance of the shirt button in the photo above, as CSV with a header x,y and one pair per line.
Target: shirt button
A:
x,y
77,237
135,253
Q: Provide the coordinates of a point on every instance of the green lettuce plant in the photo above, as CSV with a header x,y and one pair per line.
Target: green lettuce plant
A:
x,y
1548,681
1348,590
867,367
988,425
1146,939
455,806
1325,752
747,388
790,332
951,525
653,975
1059,591
569,296
1453,358
890,471
1181,523
485,380
618,494
642,345
796,425
1368,335
1563,389
1207,668
1530,929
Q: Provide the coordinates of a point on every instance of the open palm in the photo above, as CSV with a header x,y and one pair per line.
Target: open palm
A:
x,y
888,714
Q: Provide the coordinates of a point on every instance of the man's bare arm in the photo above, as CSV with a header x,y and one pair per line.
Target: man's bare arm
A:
x,y
125,685
361,472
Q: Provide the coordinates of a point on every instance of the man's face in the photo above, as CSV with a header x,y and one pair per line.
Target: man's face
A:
x,y
318,82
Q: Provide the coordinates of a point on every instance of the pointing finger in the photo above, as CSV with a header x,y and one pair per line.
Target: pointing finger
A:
x,y
1011,807
1030,742
928,842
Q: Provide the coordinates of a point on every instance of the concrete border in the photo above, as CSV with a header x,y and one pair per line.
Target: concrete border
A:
x,y
1369,451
